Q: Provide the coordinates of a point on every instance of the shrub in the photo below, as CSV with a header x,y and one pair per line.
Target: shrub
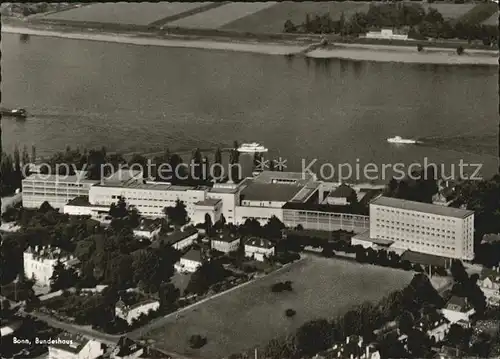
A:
x,y
197,341
460,50
282,286
290,313
420,48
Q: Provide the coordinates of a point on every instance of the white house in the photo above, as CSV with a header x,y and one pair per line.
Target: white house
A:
x,y
149,229
225,243
489,283
259,249
39,263
127,349
131,312
68,346
352,348
458,309
190,262
181,239
387,34
435,325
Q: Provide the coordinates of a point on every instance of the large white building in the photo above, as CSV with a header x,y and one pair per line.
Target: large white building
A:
x,y
39,263
68,346
129,313
421,227
56,190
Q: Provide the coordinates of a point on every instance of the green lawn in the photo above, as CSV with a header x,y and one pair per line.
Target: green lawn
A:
x,y
252,315
480,12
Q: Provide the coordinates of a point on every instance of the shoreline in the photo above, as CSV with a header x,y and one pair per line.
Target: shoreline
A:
x,y
355,52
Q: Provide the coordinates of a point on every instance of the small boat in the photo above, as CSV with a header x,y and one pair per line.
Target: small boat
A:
x,y
16,112
399,139
252,148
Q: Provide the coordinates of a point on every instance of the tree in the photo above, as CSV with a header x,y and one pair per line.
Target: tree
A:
x,y
406,322
168,294
458,271
33,154
118,210
289,26
420,48
460,50
177,215
313,337
273,229
217,173
205,276
147,268
197,341
62,277
208,223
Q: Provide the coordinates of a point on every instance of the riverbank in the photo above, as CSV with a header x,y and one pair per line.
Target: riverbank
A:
x,y
358,52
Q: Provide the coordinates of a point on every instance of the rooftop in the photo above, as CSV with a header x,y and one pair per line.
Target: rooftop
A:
x,y
342,191
148,225
365,236
458,304
228,238
422,207
48,252
126,346
70,342
151,186
259,242
271,176
123,175
128,306
193,255
272,192
423,258
325,208
83,201
178,236
209,202
80,178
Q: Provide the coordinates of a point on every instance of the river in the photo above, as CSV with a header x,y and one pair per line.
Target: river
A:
x,y
136,98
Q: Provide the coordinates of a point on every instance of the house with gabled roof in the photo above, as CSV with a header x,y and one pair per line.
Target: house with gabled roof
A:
x,y
435,325
352,348
489,283
458,309
126,348
70,346
190,261
131,311
259,248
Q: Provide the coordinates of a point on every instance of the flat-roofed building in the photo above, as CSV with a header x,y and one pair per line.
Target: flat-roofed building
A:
x,y
54,189
422,227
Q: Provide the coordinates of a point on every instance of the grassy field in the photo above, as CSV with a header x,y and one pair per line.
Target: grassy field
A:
x,y
125,13
492,20
218,17
272,19
450,11
252,315
480,12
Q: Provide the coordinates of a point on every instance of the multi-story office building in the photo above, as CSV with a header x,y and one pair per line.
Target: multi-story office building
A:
x,y
421,227
56,190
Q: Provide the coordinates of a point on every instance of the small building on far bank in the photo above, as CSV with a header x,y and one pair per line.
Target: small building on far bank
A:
x,y
385,34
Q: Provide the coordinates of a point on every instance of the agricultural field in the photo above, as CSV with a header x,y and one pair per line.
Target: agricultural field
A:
x,y
220,16
450,11
480,13
126,13
273,18
252,315
492,20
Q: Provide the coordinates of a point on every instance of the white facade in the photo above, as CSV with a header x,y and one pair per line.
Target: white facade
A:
x,y
92,211
454,316
261,214
225,244
387,34
259,249
325,221
131,313
425,228
489,283
189,265
147,229
56,190
182,239
39,263
70,348
212,207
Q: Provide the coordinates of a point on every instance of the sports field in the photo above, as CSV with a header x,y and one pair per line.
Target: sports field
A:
x,y
252,315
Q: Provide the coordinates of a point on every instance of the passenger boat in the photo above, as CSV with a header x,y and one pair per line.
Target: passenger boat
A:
x,y
16,112
252,148
399,139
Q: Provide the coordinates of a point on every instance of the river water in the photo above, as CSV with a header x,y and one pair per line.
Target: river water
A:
x,y
134,98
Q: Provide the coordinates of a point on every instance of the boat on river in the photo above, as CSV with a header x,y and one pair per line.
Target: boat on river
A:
x,y
252,148
399,139
16,112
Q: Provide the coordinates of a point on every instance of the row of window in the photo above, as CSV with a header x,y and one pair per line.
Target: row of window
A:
x,y
449,235
408,241
413,214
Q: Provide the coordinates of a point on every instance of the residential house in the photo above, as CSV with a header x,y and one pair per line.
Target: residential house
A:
x,y
190,261
225,243
127,349
39,263
259,249
435,325
386,34
341,196
148,228
352,348
130,312
69,346
489,283
458,309
181,239
444,193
